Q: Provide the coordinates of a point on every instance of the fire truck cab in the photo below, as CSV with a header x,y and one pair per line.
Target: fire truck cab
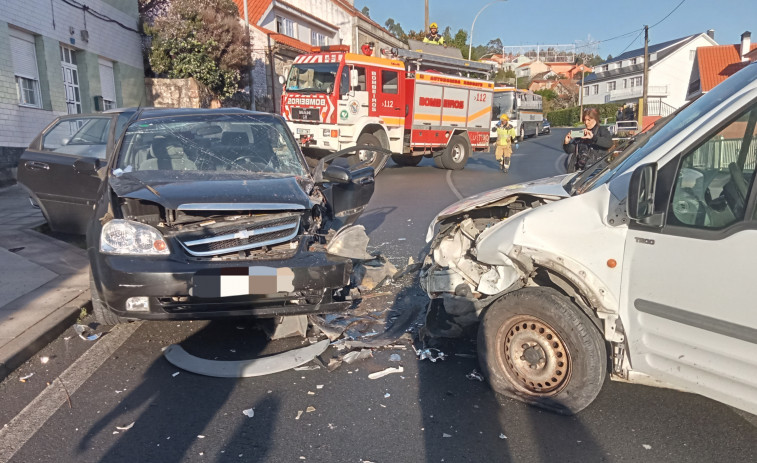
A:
x,y
334,99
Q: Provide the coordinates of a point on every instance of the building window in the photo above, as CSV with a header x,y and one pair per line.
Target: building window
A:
x,y
284,26
637,81
318,39
633,61
586,91
595,89
625,83
25,69
605,67
610,86
107,84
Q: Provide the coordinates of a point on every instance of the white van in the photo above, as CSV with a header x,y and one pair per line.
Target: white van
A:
x,y
644,260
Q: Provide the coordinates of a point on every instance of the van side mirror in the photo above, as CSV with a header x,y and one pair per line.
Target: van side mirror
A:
x,y
337,174
281,80
354,78
641,193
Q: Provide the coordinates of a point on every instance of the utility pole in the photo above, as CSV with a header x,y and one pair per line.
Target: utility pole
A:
x,y
581,95
643,109
249,54
425,24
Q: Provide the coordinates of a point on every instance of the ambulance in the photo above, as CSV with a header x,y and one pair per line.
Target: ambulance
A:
x,y
415,104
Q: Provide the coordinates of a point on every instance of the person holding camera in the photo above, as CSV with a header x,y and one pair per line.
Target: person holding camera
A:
x,y
505,139
589,145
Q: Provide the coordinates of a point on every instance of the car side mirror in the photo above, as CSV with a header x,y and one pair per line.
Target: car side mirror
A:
x,y
86,166
281,80
337,174
354,82
641,194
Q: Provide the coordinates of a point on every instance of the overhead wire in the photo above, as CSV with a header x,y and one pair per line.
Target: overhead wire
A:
x,y
86,9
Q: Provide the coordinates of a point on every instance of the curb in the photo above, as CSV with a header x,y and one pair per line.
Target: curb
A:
x,y
26,345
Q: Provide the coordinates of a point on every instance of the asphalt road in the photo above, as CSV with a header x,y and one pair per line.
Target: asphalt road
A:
x,y
430,412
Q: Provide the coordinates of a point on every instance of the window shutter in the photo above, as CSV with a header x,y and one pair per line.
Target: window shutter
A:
x,y
24,55
107,80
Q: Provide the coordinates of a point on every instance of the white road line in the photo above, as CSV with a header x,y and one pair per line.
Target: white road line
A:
x,y
452,187
24,425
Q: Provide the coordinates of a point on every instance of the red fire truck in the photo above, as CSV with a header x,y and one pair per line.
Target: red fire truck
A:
x,y
416,105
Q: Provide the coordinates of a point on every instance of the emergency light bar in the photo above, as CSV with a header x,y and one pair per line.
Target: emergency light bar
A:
x,y
344,48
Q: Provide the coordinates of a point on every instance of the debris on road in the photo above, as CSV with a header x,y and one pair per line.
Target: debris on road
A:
x,y
24,378
307,368
356,355
127,427
176,374
444,434
475,375
388,371
299,414
249,413
431,354
177,356
502,436
310,409
44,359
85,332
647,446
395,358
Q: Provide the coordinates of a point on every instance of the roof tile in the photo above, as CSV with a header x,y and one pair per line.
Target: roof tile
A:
x,y
717,63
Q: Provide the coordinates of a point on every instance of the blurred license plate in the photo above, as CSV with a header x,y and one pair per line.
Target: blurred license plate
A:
x,y
305,114
303,131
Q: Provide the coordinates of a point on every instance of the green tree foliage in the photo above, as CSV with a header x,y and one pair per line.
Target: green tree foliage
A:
x,y
572,116
547,94
395,29
366,11
201,39
494,46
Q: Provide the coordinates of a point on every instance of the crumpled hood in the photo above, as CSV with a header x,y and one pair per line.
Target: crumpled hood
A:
x,y
173,193
551,187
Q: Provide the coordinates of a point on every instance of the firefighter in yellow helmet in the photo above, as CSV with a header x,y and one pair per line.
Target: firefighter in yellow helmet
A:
x,y
505,139
433,35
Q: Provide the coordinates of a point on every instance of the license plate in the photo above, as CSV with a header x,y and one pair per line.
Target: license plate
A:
x,y
242,281
303,131
305,114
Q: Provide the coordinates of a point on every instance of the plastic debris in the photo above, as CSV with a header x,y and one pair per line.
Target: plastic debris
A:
x,y
127,427
647,446
176,374
86,333
388,371
200,436
311,393
319,386
44,360
249,413
299,414
502,436
307,368
310,409
475,375
395,358
24,378
387,395
356,355
431,354
444,434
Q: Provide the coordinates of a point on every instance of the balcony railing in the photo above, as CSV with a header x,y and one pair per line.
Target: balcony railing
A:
x,y
638,92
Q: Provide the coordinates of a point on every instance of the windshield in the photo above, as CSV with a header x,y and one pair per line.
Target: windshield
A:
x,y
502,103
312,77
221,143
604,170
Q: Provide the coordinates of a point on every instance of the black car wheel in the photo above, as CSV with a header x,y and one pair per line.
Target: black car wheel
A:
x,y
536,346
103,315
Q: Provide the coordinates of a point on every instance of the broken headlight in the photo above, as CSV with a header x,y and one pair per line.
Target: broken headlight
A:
x,y
132,238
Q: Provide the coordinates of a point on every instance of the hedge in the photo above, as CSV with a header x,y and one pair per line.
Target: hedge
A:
x,y
571,116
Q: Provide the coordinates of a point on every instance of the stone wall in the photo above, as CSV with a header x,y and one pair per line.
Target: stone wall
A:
x,y
173,93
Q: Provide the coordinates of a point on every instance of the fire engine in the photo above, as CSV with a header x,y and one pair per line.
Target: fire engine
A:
x,y
524,108
418,104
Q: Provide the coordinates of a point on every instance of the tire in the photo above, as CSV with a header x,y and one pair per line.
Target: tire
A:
x,y
438,161
570,163
370,140
405,160
567,356
455,156
102,313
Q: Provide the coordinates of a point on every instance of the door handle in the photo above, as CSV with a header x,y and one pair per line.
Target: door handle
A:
x,y
36,165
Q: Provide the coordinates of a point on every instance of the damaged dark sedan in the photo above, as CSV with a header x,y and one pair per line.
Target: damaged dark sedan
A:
x,y
212,213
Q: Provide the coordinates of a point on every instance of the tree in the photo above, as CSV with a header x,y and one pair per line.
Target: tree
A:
x,y
201,39
366,11
395,29
547,94
494,46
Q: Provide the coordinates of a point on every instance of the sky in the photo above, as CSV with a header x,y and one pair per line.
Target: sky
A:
x,y
550,22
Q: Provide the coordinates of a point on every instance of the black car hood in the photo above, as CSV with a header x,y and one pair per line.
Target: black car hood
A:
x,y
173,193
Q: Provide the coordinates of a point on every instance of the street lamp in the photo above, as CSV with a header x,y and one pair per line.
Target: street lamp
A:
x,y
470,47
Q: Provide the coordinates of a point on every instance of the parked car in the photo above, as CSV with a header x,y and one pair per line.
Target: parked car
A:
x,y
642,263
211,213
545,126
56,168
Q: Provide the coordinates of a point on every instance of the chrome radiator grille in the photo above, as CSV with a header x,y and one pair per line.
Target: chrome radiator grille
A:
x,y
211,241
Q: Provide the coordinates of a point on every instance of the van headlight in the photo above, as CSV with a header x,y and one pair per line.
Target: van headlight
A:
x,y
125,237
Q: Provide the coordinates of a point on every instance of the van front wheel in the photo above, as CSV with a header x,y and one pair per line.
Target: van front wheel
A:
x,y
536,346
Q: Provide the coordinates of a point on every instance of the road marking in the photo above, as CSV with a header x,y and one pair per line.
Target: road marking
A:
x,y
24,425
452,187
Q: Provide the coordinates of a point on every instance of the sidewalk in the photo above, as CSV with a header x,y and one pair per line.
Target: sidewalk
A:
x,y
43,281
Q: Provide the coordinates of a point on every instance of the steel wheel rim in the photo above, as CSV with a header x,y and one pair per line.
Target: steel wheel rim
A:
x,y
533,355
458,153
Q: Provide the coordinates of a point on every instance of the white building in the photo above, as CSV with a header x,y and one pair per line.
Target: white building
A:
x,y
620,80
63,58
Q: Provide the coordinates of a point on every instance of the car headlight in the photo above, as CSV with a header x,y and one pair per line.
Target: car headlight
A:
x,y
131,238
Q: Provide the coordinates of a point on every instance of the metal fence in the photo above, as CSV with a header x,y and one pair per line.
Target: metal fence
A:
x,y
719,153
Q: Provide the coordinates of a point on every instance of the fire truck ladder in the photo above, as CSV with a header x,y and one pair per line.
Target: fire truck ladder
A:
x,y
420,61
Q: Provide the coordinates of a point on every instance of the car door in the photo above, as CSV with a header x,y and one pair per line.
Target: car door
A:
x,y
59,168
689,287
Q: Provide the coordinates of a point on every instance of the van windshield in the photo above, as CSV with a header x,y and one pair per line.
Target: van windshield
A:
x,y
604,170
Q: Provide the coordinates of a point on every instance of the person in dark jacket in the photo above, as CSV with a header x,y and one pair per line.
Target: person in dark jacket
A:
x,y
589,148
